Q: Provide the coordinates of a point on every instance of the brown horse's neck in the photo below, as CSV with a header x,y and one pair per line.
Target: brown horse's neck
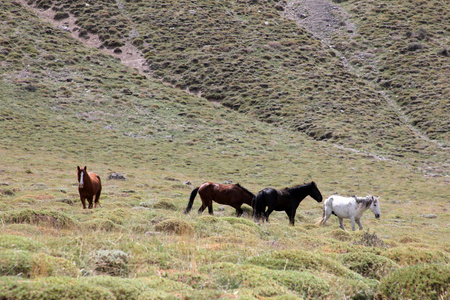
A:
x,y
247,200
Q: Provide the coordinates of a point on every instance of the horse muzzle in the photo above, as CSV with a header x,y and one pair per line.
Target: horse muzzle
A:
x,y
377,216
80,186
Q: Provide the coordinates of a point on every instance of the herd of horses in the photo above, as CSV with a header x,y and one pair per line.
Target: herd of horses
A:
x,y
263,203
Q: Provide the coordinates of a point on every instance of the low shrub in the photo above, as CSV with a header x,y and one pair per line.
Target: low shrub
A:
x,y
413,255
300,260
165,204
15,263
175,226
340,235
370,240
117,216
18,242
416,282
44,265
368,264
228,276
14,288
156,294
305,283
244,225
111,262
134,288
26,264
101,224
206,226
47,218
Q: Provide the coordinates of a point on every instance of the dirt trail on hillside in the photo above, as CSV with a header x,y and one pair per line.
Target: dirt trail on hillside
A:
x,y
128,54
323,19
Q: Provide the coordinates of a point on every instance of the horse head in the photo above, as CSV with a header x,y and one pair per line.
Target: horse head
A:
x,y
315,193
81,172
375,206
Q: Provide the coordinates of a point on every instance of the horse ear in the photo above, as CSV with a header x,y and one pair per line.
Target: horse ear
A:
x,y
85,168
78,168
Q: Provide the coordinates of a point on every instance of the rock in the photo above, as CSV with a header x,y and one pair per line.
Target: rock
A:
x,y
116,176
429,216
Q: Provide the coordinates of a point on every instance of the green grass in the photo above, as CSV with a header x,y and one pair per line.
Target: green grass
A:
x,y
63,105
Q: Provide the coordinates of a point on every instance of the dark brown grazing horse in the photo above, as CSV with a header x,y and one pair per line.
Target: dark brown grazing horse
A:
x,y
89,185
287,199
230,194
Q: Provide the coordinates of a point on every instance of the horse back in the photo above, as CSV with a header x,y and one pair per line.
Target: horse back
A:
x,y
341,206
96,182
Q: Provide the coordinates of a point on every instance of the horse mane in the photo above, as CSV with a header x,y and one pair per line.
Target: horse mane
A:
x,y
295,187
247,191
366,201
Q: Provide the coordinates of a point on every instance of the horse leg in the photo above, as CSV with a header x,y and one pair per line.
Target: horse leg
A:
x,y
291,216
83,201
90,200
341,223
358,221
239,212
210,208
268,212
202,208
96,201
352,220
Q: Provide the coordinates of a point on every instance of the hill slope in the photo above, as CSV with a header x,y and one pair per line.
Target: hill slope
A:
x,y
247,56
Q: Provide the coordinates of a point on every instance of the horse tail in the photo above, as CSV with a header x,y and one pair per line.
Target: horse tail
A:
x,y
259,205
97,196
319,223
191,200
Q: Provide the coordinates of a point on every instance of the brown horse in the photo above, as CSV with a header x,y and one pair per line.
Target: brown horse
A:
x,y
230,194
89,185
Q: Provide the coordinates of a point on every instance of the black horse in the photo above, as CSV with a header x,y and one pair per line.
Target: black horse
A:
x,y
287,199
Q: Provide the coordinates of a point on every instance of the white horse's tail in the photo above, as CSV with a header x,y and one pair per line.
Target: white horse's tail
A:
x,y
320,222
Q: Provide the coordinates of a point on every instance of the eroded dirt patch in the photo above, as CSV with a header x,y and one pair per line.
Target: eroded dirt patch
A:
x,y
128,54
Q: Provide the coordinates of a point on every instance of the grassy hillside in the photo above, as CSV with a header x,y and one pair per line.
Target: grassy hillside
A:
x,y
244,55
63,104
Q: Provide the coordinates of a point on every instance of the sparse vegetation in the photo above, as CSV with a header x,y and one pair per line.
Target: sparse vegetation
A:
x,y
63,104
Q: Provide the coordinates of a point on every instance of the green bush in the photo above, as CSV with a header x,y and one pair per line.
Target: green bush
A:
x,y
368,264
412,255
44,265
49,218
25,264
101,224
15,263
340,235
118,215
229,276
18,242
306,284
175,226
299,260
416,282
51,288
111,262
165,204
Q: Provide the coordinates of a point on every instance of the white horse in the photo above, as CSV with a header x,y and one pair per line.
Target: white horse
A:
x,y
349,207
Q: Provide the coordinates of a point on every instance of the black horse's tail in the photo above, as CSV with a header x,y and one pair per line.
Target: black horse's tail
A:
x,y
259,205
191,200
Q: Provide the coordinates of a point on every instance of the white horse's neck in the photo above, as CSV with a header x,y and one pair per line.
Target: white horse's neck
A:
x,y
363,203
